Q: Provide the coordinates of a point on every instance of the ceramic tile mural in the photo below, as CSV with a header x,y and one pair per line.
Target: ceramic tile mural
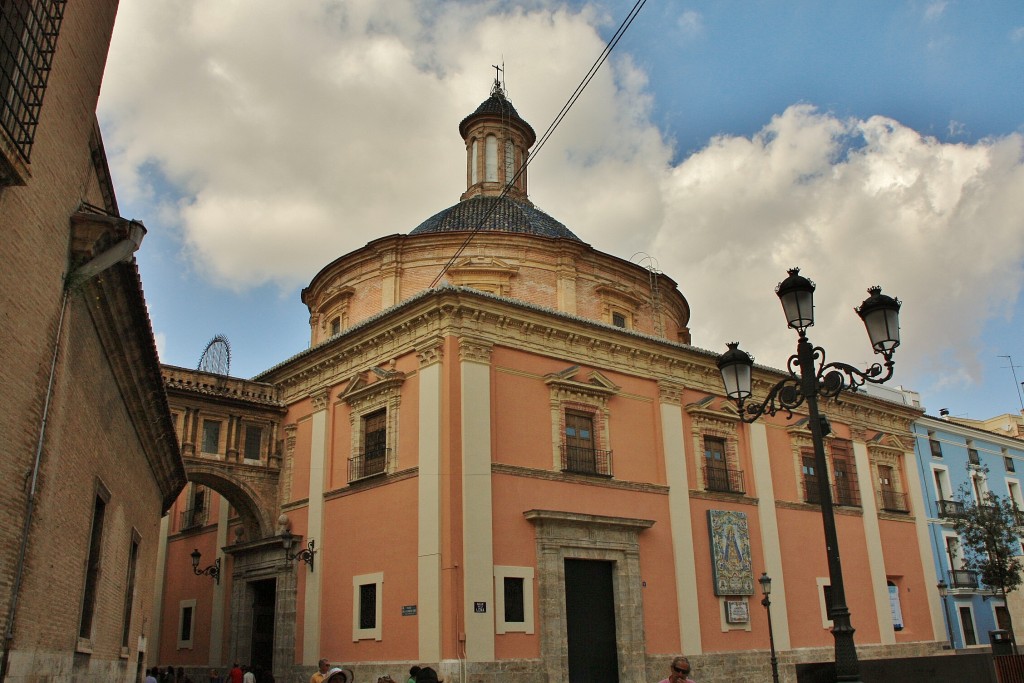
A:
x,y
730,553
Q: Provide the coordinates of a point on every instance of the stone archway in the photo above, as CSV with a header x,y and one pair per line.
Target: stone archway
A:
x,y
251,490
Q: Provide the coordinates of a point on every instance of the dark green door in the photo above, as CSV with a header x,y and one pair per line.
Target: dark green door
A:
x,y
590,622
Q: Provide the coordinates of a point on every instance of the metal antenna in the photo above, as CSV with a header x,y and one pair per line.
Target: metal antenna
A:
x,y
1013,369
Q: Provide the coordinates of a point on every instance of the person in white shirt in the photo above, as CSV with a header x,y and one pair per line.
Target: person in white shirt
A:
x,y
248,676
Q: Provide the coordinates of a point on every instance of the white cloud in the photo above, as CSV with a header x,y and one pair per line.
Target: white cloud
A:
x,y
691,23
935,10
298,133
1017,34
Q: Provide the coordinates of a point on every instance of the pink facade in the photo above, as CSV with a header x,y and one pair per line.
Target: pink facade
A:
x,y
458,452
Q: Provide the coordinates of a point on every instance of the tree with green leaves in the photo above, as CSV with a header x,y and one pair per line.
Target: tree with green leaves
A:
x,y
989,536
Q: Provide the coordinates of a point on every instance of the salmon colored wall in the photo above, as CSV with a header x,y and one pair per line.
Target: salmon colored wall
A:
x,y
522,436
182,584
409,414
903,567
341,444
300,460
514,544
374,531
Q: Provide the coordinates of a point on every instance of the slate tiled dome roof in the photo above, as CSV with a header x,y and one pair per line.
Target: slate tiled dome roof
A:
x,y
498,105
506,215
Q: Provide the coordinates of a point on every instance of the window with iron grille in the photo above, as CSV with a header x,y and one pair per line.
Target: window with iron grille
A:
x,y
810,475
375,433
845,472
28,38
368,605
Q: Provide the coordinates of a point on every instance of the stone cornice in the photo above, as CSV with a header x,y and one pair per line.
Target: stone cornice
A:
x,y
721,497
473,350
450,311
549,475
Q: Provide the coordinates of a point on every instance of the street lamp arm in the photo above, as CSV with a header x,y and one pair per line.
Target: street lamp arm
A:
x,y
834,377
784,396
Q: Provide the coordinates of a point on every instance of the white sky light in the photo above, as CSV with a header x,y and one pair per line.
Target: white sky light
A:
x,y
880,144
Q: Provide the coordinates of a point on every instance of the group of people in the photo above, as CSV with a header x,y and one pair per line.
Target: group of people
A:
x,y
326,673
167,675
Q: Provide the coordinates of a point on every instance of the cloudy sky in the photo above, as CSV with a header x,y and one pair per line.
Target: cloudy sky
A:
x,y
723,142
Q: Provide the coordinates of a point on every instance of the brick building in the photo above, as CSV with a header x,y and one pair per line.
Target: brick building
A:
x,y
87,450
502,456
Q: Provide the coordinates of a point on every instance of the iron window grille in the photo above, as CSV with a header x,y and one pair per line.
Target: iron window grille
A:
x,y
28,39
972,456
723,479
893,501
369,463
194,517
582,460
963,578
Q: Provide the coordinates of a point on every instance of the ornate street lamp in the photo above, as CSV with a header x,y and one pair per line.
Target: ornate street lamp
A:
x,y
766,589
306,555
810,376
213,570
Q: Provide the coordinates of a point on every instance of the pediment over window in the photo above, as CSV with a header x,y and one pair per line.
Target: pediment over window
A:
x,y
486,273
370,384
620,294
713,408
594,384
887,443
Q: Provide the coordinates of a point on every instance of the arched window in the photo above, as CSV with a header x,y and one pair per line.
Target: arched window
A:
x,y
473,165
491,160
510,161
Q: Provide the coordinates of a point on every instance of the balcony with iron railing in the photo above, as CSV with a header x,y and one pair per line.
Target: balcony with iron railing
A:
x,y
193,518
723,479
893,501
842,494
950,509
581,460
845,495
963,578
1018,517
369,463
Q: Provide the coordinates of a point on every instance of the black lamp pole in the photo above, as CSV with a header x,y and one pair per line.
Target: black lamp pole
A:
x,y
810,377
766,589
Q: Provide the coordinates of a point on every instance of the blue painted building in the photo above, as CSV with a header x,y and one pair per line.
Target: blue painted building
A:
x,y
952,457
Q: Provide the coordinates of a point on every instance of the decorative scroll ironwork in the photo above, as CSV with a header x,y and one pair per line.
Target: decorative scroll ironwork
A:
x,y
830,380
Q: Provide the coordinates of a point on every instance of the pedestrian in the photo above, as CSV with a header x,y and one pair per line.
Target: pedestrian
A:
x,y
151,675
322,667
339,675
428,675
412,674
235,674
679,671
247,675
215,676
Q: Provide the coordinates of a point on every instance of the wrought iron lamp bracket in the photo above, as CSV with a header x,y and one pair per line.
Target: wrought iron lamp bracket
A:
x,y
212,571
306,555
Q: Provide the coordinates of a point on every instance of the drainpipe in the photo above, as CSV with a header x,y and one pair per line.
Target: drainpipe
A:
x,y
121,251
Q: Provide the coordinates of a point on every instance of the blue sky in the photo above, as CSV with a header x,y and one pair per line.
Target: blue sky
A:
x,y
869,143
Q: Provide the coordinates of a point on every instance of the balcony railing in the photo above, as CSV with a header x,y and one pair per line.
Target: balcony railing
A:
x,y
846,495
193,518
963,578
893,501
950,509
582,460
724,479
369,464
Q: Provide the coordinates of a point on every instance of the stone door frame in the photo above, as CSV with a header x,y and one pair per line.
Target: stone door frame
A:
x,y
562,535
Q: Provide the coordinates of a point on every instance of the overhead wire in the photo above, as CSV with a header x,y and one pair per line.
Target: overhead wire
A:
x,y
594,68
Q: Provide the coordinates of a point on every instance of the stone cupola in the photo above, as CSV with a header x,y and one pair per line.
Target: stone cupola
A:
x,y
498,144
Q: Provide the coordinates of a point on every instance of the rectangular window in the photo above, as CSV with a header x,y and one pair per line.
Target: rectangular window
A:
x,y
367,606
514,600
211,436
513,596
810,474
186,623
1009,464
375,433
846,492
253,442
972,455
717,475
129,590
28,39
335,327
1003,618
92,572
967,623
618,319
935,445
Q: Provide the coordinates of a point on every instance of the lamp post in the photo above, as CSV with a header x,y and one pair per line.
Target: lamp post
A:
x,y
810,376
943,592
213,570
766,589
306,555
